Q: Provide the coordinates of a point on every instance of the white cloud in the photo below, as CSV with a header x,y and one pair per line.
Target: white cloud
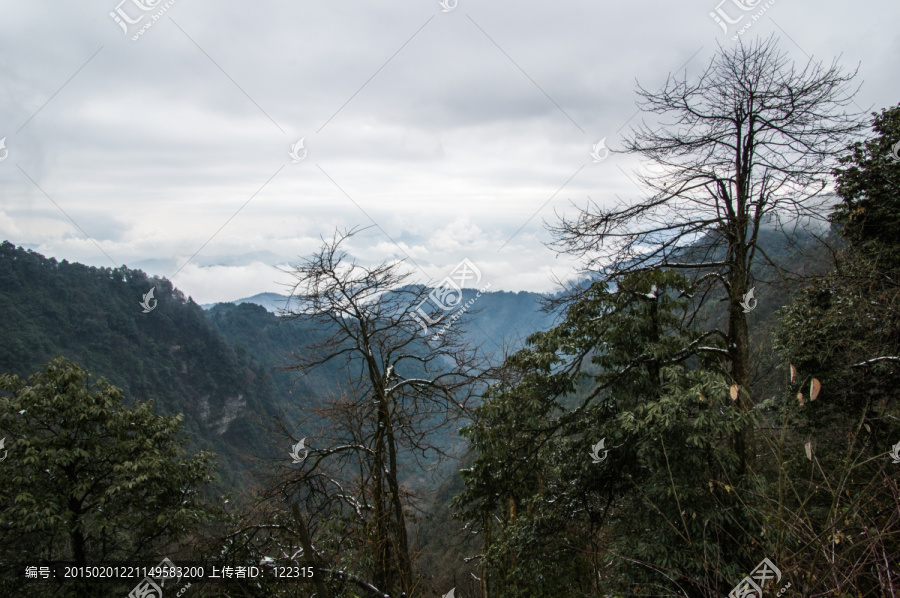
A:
x,y
450,148
227,283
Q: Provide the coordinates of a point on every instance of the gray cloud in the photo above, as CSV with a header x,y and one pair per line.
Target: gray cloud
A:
x,y
450,148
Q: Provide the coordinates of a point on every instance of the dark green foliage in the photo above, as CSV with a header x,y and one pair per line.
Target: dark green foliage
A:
x,y
843,332
661,509
868,182
90,480
171,355
271,340
844,329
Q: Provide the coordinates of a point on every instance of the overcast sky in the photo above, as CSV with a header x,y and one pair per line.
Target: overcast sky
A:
x,y
452,131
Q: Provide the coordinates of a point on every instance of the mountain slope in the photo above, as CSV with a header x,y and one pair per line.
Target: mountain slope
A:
x,y
495,319
170,355
221,367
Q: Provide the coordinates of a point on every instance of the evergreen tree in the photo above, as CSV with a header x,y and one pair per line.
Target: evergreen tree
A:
x,y
657,505
841,337
89,480
868,183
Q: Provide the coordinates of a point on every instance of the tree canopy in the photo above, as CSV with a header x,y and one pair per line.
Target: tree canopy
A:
x,y
88,479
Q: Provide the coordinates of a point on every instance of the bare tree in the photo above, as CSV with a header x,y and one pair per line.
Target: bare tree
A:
x,y
751,142
401,387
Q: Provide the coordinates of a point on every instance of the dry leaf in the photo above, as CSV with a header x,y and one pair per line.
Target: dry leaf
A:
x,y
793,373
809,450
734,392
702,398
800,398
814,387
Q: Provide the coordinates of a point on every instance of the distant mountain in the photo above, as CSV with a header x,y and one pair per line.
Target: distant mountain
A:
x,y
272,302
223,367
498,319
250,329
171,354
227,366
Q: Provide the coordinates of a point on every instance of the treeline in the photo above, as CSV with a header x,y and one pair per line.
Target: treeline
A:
x,y
172,355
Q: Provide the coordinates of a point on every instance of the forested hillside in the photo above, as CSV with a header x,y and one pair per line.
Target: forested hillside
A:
x,y
223,367
171,355
499,320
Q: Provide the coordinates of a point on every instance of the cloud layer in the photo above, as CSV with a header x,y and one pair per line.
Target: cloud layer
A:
x,y
450,134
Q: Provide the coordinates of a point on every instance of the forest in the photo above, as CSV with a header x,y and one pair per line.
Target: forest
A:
x,y
707,411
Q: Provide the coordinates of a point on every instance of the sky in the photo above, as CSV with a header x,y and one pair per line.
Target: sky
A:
x,y
220,144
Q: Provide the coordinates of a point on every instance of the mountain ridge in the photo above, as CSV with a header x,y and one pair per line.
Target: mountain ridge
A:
x,y
223,367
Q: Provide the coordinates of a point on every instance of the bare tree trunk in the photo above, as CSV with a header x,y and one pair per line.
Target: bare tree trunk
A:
x,y
306,543
486,527
752,138
739,341
403,378
381,541
403,558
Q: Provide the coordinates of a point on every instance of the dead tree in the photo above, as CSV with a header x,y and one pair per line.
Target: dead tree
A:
x,y
751,142
400,388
